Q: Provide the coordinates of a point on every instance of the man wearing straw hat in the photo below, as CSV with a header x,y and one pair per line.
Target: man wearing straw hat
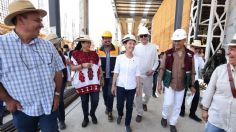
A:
x,y
30,70
61,108
199,64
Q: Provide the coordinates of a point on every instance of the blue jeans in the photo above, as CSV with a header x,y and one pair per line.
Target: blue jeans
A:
x,y
107,95
25,123
212,128
61,108
85,103
1,112
128,95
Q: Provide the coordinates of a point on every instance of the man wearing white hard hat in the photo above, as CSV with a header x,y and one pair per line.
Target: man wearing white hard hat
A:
x,y
147,52
177,72
30,70
196,46
219,99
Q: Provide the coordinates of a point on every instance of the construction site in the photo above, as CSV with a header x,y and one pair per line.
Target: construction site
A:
x,y
213,22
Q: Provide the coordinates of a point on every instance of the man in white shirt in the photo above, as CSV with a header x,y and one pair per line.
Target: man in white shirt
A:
x,y
147,54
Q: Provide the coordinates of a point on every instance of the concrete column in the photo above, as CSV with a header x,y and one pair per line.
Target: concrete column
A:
x,y
54,16
230,27
178,14
84,18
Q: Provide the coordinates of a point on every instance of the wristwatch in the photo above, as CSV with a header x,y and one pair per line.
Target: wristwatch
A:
x,y
57,93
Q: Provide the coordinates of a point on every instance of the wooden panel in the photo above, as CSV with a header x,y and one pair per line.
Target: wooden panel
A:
x,y
163,23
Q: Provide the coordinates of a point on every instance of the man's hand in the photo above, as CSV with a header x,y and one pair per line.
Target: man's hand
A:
x,y
113,90
56,101
205,115
159,88
149,72
13,105
138,92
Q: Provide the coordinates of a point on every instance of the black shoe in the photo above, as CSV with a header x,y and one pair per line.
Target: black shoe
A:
x,y
110,117
196,118
182,113
85,122
154,95
106,111
138,118
119,119
173,128
94,119
62,125
163,122
128,129
144,107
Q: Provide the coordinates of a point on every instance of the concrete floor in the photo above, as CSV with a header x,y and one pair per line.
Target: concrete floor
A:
x,y
151,120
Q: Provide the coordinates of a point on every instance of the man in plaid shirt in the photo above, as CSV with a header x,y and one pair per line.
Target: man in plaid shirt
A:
x,y
30,71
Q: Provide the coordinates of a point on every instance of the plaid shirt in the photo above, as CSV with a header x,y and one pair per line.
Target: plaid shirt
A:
x,y
27,72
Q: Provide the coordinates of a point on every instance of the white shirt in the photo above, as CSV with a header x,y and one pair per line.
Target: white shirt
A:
x,y
148,54
128,70
199,65
219,99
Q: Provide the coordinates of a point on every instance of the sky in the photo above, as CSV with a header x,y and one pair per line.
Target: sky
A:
x,y
101,18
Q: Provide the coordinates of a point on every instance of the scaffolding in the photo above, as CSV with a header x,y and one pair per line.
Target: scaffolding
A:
x,y
207,23
3,9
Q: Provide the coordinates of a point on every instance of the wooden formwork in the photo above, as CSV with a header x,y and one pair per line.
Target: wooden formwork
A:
x,y
163,23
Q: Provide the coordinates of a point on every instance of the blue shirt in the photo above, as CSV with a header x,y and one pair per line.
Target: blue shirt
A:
x,y
27,72
108,64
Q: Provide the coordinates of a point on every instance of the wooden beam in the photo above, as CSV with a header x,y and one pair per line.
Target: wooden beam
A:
x,y
135,25
123,26
139,2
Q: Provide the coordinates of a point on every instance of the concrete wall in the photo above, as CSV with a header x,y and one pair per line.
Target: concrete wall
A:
x,y
230,29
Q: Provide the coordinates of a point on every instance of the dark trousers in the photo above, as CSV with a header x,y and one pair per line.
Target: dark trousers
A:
x,y
195,100
1,112
85,103
154,83
107,95
61,108
127,95
25,123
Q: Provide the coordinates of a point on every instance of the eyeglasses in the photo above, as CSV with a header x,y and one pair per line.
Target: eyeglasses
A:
x,y
144,35
31,57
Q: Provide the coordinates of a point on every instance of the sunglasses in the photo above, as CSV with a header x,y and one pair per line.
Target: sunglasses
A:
x,y
145,35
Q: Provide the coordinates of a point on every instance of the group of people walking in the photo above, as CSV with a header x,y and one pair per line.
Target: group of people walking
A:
x,y
34,72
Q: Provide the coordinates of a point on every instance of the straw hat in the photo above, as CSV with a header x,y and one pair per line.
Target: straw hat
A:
x,y
19,7
197,43
53,38
83,38
233,41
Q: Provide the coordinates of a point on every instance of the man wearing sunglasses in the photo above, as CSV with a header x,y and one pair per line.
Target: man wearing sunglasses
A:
x,y
147,52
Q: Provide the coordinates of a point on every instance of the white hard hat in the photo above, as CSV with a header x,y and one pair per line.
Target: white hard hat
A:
x,y
179,34
143,30
128,37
